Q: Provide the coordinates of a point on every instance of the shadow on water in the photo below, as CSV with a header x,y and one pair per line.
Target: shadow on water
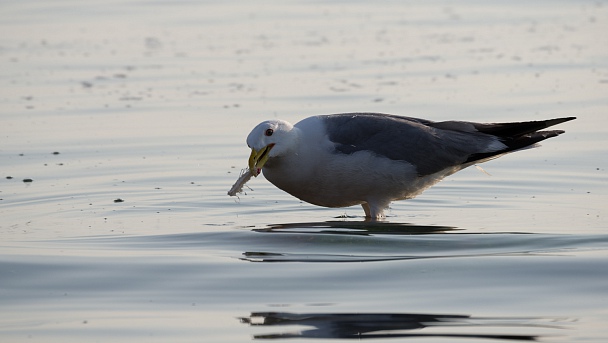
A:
x,y
357,228
395,325
384,241
342,228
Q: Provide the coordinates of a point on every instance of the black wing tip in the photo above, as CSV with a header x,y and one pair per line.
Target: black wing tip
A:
x,y
517,129
556,121
523,140
549,123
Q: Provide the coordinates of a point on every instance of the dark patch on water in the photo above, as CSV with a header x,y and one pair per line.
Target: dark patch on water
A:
x,y
396,325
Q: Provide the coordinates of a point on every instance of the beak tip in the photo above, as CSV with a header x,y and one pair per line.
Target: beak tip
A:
x,y
257,159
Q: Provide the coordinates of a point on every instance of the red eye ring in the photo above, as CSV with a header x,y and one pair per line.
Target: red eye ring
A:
x,y
269,132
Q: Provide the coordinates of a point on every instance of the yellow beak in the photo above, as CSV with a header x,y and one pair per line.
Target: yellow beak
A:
x,y
258,158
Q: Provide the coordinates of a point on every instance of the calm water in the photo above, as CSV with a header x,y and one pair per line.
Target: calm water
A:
x,y
130,118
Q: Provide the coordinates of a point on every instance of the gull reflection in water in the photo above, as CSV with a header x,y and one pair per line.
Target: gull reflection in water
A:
x,y
356,228
397,325
347,251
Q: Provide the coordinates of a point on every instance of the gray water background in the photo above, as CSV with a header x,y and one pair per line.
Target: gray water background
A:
x,y
150,103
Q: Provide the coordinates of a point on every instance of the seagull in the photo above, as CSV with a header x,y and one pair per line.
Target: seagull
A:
x,y
372,159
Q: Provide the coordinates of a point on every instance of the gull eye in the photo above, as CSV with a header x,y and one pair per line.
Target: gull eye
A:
x,y
269,132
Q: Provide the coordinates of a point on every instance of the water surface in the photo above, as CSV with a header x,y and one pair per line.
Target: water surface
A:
x,y
130,118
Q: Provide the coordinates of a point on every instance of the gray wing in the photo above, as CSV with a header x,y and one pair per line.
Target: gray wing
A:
x,y
412,140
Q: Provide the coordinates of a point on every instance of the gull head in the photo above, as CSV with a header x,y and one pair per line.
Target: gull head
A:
x,y
269,139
